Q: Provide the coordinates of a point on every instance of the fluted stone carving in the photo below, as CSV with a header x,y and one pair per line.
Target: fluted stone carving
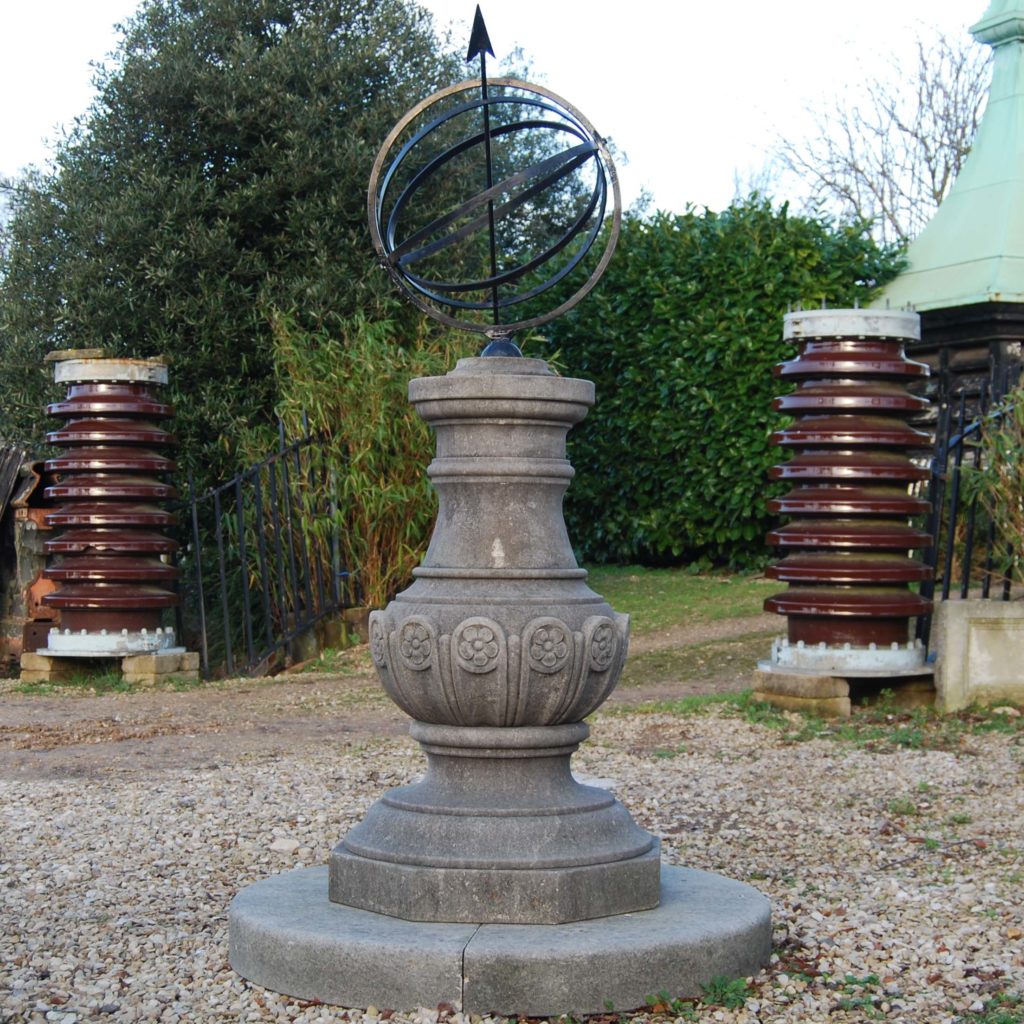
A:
x,y
547,675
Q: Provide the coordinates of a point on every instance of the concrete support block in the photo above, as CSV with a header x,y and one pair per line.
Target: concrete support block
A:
x,y
831,696
823,707
911,693
152,678
157,664
824,696
52,676
38,668
981,660
150,669
802,684
38,662
358,621
142,670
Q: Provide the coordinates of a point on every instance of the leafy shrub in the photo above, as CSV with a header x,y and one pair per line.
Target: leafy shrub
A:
x,y
999,480
351,379
680,339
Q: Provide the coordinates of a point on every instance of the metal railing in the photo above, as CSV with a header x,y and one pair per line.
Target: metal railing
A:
x,y
966,548
256,574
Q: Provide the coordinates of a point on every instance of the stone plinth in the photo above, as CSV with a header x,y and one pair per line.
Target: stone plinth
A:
x,y
833,695
498,831
141,669
981,653
287,936
824,696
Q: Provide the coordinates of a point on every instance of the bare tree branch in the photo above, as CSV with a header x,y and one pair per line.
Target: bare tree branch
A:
x,y
892,157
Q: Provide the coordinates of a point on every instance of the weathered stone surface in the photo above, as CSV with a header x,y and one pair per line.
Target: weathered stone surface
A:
x,y
498,830
46,675
558,667
152,678
142,670
823,707
498,650
499,627
795,684
831,696
287,936
38,662
510,896
981,653
40,668
910,693
354,621
152,664
706,926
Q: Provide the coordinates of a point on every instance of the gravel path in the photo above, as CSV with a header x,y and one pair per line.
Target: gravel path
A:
x,y
896,879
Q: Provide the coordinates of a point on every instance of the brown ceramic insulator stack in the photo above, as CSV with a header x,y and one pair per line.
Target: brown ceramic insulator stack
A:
x,y
847,545
109,485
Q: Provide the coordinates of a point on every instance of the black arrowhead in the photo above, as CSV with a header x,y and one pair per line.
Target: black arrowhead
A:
x,y
479,41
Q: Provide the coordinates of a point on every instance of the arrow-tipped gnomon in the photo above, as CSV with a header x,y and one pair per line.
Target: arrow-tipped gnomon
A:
x,y
480,46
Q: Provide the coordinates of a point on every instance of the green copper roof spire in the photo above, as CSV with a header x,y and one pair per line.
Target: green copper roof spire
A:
x,y
972,250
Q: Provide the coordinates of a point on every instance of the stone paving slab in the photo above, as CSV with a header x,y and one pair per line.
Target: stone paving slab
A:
x,y
706,926
287,936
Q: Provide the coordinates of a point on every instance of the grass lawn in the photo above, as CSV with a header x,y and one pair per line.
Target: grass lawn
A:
x,y
662,598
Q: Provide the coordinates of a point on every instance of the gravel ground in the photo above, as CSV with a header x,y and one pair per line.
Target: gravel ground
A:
x,y
896,879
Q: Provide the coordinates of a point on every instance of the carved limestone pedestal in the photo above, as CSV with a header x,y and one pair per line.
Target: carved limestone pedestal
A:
x,y
498,651
468,879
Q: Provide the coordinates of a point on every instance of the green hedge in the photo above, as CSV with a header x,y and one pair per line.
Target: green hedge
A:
x,y
680,339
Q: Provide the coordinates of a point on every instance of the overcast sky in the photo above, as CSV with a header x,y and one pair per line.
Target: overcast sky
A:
x,y
693,95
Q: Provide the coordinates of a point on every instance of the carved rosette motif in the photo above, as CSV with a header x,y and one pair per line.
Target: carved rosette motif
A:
x,y
550,645
416,644
378,640
602,646
477,675
478,645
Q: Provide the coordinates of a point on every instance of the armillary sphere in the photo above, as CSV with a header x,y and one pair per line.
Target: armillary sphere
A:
x,y
487,205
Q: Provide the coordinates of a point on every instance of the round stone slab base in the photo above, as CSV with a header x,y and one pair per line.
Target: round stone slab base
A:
x,y
287,936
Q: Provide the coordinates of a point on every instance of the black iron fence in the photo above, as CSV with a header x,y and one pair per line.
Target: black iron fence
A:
x,y
968,554
261,561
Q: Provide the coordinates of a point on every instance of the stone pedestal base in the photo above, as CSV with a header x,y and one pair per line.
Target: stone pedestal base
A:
x,y
286,935
497,831
981,653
